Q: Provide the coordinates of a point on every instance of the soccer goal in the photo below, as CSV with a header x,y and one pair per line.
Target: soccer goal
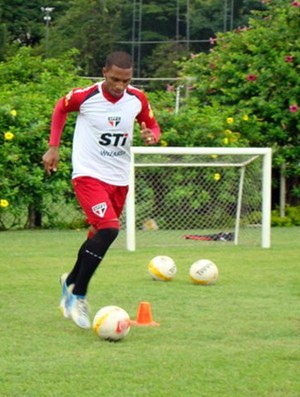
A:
x,y
187,196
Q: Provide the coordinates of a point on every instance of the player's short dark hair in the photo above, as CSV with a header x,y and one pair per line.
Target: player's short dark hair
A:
x,y
121,59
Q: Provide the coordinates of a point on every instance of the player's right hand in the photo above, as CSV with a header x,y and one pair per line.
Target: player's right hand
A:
x,y
50,159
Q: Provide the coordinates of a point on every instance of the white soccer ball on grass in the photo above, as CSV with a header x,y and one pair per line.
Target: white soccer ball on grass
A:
x,y
111,323
204,272
162,268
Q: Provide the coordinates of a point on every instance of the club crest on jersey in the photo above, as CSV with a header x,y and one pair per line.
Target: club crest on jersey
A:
x,y
100,209
114,120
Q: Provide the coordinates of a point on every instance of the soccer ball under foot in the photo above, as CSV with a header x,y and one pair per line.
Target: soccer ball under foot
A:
x,y
111,323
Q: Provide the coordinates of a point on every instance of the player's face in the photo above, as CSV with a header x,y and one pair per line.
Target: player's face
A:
x,y
116,80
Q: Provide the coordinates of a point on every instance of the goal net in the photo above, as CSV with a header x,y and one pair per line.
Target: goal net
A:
x,y
193,196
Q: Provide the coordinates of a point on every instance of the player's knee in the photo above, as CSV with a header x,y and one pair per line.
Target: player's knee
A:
x,y
110,234
107,235
100,242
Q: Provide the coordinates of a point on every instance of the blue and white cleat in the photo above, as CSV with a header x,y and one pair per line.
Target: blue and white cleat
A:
x,y
66,292
78,310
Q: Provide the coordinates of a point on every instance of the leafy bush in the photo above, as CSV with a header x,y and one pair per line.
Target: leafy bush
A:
x,y
30,87
291,218
251,77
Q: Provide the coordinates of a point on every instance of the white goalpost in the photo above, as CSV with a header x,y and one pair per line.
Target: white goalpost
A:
x,y
180,194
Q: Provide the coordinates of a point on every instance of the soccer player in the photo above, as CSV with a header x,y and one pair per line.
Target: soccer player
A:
x,y
102,138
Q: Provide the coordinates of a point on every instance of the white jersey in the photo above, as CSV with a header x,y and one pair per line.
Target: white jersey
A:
x,y
104,131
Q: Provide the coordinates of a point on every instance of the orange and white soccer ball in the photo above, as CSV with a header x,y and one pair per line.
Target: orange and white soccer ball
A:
x,y
204,272
111,323
162,268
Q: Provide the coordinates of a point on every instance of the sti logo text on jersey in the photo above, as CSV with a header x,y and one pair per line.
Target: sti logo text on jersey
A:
x,y
110,138
114,139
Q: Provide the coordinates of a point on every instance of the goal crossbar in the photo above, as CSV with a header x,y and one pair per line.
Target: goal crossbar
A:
x,y
202,164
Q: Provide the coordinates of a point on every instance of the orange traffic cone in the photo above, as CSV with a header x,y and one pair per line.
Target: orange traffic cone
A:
x,y
144,316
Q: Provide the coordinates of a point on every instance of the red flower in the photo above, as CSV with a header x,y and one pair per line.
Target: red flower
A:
x,y
289,58
251,77
296,3
294,108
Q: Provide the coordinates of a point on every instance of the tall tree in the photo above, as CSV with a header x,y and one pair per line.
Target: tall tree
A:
x,y
3,38
93,27
25,21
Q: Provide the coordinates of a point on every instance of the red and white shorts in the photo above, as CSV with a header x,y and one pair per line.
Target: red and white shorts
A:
x,y
102,203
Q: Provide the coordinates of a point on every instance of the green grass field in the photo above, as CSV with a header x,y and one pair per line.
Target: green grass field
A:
x,y
238,338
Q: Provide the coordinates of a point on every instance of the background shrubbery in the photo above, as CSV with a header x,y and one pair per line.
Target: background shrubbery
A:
x,y
291,218
30,86
244,92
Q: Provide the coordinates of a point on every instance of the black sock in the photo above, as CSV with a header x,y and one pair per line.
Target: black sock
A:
x,y
92,252
74,273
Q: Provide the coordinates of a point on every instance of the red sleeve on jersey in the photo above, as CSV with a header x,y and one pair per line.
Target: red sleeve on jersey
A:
x,y
146,115
58,122
69,103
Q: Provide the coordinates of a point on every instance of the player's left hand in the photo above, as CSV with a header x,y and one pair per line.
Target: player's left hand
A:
x,y
147,135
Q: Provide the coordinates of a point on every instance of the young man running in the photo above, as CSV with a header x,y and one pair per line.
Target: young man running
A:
x,y
101,162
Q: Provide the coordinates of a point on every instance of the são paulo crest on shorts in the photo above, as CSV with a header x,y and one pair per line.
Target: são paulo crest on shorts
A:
x,y
100,209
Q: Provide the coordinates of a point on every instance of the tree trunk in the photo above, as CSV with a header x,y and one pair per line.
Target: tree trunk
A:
x,y
34,218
